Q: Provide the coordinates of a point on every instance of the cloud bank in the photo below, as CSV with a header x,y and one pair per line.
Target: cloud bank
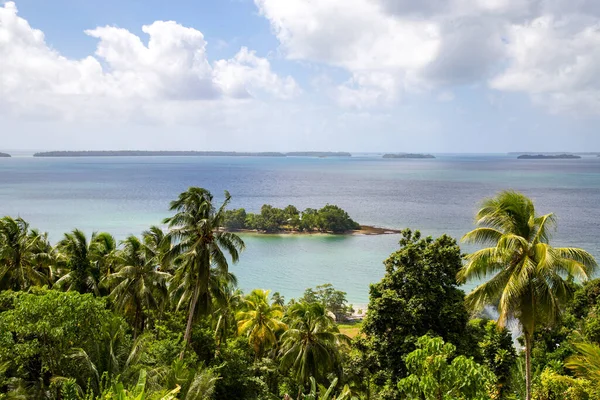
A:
x,y
125,75
364,74
547,49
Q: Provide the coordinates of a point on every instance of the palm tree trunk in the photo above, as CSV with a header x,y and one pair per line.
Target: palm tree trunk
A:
x,y
528,365
187,338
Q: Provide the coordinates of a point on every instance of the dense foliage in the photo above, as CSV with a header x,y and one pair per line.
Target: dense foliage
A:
x,y
160,317
330,218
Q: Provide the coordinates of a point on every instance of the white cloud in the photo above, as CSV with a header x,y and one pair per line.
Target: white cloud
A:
x,y
246,73
548,49
557,61
125,76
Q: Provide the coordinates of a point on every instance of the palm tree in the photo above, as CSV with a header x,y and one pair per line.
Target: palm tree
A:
x,y
227,300
200,246
138,286
84,261
25,256
260,321
526,275
586,362
310,347
158,245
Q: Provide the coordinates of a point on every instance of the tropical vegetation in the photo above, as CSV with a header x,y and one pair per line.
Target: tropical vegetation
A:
x,y
330,218
160,316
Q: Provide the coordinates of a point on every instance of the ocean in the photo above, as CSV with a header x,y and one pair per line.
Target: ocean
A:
x,y
125,195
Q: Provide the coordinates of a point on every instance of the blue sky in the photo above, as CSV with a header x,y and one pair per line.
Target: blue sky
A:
x,y
354,75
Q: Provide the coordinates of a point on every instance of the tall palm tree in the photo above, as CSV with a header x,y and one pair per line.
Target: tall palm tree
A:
x,y
311,345
260,321
25,256
137,285
83,261
200,246
526,275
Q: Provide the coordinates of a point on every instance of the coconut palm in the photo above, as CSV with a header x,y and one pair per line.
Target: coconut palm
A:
x,y
158,245
260,321
227,301
526,276
586,362
83,261
25,256
138,286
311,345
200,247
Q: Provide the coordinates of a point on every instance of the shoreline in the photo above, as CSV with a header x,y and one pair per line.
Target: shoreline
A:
x,y
365,230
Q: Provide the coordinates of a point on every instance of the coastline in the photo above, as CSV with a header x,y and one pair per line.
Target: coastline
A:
x,y
365,230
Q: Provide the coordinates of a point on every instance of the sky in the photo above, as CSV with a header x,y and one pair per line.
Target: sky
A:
x,y
439,76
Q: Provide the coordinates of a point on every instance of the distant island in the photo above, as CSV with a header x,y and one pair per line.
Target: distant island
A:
x,y
408,155
548,157
318,154
5,155
329,219
143,153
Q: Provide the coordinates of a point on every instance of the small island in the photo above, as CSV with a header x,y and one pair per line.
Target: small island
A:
x,y
329,219
5,155
548,157
320,154
408,155
144,153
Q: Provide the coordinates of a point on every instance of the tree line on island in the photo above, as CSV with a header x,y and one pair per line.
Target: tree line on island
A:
x,y
142,153
6,155
330,218
160,317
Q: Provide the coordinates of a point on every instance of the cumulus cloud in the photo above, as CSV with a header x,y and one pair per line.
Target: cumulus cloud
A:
x,y
125,75
557,61
547,49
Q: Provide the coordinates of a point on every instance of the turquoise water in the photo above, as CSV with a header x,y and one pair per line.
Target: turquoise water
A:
x,y
125,195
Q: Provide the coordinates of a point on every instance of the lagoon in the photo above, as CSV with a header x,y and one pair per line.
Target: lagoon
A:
x,y
125,195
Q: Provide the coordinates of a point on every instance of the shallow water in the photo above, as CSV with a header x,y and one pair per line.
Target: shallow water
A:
x,y
126,195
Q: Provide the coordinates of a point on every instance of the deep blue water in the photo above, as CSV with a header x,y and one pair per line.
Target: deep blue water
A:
x,y
126,195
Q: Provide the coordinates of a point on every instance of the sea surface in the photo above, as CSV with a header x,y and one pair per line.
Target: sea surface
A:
x,y
125,195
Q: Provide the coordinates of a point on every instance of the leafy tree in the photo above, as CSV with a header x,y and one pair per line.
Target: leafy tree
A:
x,y
137,286
436,375
271,219
585,310
309,220
527,274
83,260
25,256
494,349
260,321
199,244
44,335
235,219
554,386
238,380
418,295
334,219
333,300
292,216
311,345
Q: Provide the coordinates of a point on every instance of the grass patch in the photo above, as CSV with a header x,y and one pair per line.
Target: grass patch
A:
x,y
351,329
